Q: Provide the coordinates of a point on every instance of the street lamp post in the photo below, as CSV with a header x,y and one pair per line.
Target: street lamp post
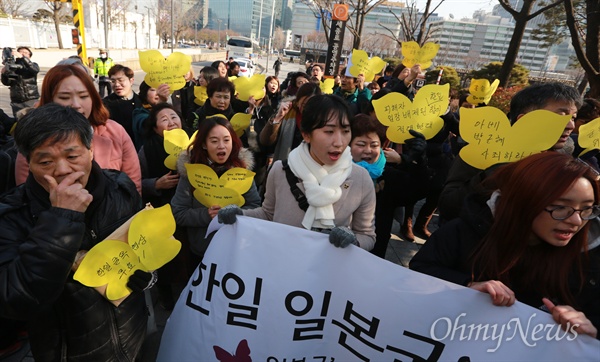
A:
x,y
172,25
219,36
149,31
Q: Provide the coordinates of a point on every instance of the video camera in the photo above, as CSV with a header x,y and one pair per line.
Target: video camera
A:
x,y
8,59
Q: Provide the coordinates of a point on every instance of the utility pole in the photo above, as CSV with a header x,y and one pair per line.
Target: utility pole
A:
x,y
149,31
105,16
172,25
270,36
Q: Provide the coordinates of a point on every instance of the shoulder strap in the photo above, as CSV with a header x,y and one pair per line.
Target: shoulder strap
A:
x,y
292,180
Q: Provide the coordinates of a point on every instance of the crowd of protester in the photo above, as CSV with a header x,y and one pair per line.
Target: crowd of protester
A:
x,y
527,231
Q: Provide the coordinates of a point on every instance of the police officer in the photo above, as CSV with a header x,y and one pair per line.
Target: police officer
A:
x,y
101,67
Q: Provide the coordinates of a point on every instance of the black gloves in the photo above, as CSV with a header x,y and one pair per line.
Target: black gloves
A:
x,y
416,148
228,214
342,236
141,280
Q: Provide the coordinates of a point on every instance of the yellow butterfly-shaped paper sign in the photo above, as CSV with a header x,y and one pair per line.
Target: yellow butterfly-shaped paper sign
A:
x,y
327,86
589,136
175,141
145,242
160,70
253,86
239,122
200,95
211,190
414,54
397,112
481,91
361,64
492,140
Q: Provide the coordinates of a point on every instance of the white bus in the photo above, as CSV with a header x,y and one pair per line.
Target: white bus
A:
x,y
239,47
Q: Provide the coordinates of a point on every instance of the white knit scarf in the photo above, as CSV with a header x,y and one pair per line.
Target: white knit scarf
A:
x,y
322,184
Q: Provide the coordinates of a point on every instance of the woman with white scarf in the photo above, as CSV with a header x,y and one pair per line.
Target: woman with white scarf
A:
x,y
340,198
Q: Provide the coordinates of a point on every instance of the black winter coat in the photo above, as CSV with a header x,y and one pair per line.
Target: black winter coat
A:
x,y
38,244
23,81
446,255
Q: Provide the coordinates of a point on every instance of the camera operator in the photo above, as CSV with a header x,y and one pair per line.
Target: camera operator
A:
x,y
20,74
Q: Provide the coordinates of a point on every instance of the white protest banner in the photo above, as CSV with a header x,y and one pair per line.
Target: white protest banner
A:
x,y
270,292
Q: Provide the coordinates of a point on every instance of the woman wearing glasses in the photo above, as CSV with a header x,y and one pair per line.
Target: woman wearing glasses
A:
x,y
527,240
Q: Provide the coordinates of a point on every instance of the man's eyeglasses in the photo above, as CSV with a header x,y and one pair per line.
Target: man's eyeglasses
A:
x,y
564,212
121,81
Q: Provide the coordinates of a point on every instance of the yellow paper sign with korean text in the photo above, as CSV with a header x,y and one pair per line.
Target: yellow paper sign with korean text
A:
x,y
481,91
253,86
327,86
211,189
175,141
589,136
492,140
397,112
239,122
200,95
170,70
145,242
362,64
414,54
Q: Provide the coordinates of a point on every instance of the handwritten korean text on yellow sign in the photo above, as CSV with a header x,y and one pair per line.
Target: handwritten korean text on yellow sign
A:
x,y
211,190
169,71
414,54
148,245
492,140
361,64
589,136
397,112
481,91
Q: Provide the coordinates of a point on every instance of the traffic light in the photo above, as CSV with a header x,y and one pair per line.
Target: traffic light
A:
x,y
75,36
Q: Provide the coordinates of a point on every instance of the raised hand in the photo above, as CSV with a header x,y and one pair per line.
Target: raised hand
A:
x,y
163,92
69,193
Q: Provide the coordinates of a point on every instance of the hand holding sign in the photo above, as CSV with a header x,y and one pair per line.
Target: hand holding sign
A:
x,y
361,64
492,140
397,112
589,136
253,86
174,142
240,121
147,245
481,91
414,54
211,190
159,70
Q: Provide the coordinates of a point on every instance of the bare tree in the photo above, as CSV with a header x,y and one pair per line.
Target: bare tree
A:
x,y
278,38
356,18
586,31
319,9
60,14
521,17
413,26
13,8
360,9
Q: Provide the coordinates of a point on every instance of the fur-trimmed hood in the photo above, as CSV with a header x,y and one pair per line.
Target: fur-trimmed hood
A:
x,y
245,155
